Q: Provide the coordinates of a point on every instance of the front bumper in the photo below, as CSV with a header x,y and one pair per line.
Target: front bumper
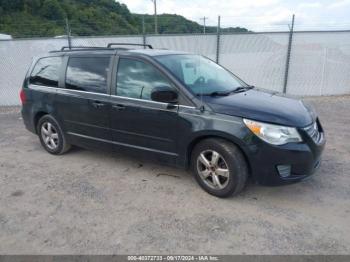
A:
x,y
303,158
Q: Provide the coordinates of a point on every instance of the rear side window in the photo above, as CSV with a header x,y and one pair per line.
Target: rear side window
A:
x,y
87,74
46,72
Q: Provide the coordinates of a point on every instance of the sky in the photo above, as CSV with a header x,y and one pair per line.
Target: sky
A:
x,y
256,15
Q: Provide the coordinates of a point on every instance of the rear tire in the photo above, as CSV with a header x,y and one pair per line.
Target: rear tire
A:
x,y
219,167
51,136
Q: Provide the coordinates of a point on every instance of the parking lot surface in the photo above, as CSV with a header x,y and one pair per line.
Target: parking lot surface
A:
x,y
92,202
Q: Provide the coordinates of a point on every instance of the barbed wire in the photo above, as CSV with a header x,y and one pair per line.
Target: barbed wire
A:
x,y
53,28
319,24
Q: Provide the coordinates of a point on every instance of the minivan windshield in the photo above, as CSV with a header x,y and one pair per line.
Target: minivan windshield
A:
x,y
201,75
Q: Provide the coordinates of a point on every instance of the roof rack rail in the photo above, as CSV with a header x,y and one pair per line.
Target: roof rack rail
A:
x,y
130,44
81,47
109,47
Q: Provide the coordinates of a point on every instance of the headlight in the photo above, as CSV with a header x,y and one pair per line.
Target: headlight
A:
x,y
273,134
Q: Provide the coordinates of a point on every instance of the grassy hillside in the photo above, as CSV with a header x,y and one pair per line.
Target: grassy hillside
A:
x,y
31,18
172,24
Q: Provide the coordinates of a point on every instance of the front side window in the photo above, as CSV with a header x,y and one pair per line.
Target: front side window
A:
x,y
136,79
46,72
87,74
200,75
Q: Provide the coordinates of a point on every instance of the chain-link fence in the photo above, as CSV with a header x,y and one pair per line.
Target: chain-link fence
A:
x,y
319,62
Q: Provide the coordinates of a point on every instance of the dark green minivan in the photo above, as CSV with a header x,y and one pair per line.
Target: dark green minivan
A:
x,y
178,108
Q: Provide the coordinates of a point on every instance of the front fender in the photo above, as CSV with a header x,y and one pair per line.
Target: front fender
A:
x,y
198,126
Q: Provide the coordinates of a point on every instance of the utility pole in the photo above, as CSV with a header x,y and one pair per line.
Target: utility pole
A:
x,y
68,32
204,18
143,32
155,17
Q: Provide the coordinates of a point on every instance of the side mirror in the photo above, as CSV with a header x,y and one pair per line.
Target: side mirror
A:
x,y
164,94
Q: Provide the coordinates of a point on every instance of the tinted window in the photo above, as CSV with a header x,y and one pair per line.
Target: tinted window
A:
x,y
87,74
46,72
136,79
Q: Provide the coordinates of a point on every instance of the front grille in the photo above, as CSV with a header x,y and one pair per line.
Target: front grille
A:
x,y
314,132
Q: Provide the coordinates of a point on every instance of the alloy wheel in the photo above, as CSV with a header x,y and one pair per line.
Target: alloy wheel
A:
x,y
213,169
49,135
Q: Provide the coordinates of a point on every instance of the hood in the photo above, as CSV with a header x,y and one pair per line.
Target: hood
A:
x,y
266,106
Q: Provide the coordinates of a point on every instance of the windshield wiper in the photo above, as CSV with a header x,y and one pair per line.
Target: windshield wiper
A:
x,y
226,93
216,93
242,88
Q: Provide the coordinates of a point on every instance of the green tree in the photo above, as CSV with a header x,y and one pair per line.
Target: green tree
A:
x,y
28,18
52,10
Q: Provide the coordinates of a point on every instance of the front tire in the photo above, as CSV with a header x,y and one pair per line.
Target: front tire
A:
x,y
219,167
51,136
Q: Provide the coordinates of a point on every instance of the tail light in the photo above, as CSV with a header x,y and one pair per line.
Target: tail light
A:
x,y
22,96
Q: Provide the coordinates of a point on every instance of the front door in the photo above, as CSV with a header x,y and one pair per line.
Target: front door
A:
x,y
137,122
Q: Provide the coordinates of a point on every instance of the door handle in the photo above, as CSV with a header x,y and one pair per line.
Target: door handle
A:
x,y
172,106
118,107
97,104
